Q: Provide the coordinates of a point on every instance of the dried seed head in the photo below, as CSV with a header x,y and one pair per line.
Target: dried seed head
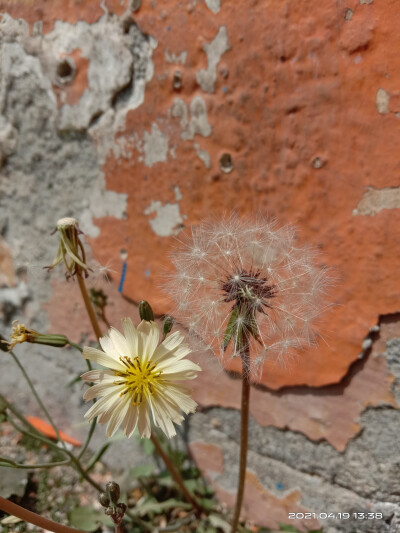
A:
x,y
238,279
70,251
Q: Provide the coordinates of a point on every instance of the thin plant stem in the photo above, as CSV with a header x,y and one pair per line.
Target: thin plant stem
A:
x,y
244,432
36,435
89,306
37,398
117,528
88,439
7,462
175,474
33,518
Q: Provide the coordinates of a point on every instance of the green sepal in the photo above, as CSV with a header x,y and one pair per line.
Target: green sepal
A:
x,y
231,328
167,325
145,311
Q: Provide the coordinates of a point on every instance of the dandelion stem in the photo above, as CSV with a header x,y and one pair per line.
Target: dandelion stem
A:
x,y
33,518
244,432
175,474
89,307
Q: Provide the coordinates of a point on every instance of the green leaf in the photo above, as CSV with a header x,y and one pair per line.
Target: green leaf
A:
x,y
141,471
88,519
159,507
218,521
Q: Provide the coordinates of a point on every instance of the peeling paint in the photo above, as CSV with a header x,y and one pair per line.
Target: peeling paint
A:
x,y
214,50
168,220
179,59
214,5
382,101
374,200
203,155
198,122
155,146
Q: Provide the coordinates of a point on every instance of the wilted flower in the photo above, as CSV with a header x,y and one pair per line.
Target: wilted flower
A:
x,y
144,377
70,251
21,333
238,281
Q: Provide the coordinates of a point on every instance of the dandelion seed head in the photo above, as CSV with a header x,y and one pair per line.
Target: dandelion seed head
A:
x,y
256,270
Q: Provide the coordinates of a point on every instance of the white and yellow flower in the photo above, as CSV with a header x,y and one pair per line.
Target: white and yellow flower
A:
x,y
144,376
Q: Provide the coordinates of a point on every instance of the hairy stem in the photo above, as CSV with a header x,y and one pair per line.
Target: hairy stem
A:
x,y
89,306
244,433
33,518
175,474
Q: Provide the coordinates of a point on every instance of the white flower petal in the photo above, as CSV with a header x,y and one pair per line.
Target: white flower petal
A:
x,y
131,336
173,340
97,375
181,396
144,421
162,419
118,416
99,390
150,335
119,342
162,353
108,346
103,405
169,366
131,420
102,358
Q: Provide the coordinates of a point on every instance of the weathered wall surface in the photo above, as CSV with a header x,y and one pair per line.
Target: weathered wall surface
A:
x,y
142,118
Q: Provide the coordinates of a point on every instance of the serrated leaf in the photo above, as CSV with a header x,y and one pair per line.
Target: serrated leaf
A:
x,y
88,519
141,471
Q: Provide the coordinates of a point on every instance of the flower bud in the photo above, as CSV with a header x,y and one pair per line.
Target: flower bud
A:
x,y
113,491
167,325
145,311
121,509
104,499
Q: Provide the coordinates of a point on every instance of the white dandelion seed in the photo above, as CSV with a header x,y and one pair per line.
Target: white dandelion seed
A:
x,y
255,279
142,377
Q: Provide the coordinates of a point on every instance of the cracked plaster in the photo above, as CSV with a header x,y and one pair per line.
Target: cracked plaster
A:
x,y
275,114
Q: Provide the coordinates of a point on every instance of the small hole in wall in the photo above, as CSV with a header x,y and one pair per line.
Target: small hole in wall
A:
x,y
177,81
226,163
65,71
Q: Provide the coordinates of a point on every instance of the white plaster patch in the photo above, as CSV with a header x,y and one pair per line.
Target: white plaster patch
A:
x,y
168,218
214,5
374,200
118,60
366,1
214,50
382,101
179,59
203,155
198,122
178,194
155,146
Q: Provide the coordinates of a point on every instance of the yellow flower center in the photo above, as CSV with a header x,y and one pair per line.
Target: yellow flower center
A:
x,y
139,381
